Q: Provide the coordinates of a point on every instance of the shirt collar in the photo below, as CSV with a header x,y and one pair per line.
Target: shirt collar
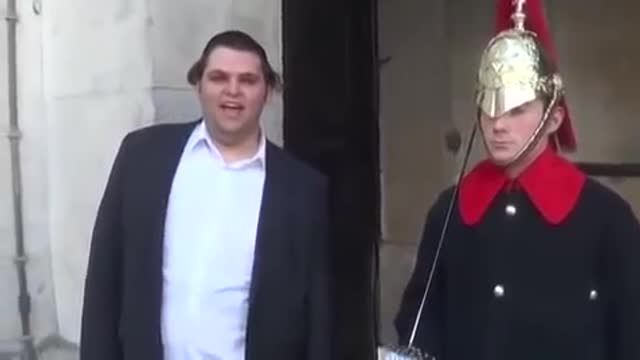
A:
x,y
552,183
200,137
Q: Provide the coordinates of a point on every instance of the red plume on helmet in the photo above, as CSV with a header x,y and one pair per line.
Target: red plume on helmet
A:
x,y
536,22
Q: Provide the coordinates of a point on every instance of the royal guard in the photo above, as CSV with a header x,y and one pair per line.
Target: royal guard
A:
x,y
525,257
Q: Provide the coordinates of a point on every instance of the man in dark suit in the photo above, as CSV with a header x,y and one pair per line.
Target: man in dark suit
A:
x,y
211,242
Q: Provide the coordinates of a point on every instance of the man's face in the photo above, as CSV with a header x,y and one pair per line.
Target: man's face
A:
x,y
233,91
506,135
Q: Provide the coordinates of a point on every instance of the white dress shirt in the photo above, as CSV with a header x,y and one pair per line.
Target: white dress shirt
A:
x,y
209,241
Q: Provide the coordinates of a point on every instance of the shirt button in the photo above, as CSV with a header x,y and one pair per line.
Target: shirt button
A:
x,y
593,295
498,291
510,210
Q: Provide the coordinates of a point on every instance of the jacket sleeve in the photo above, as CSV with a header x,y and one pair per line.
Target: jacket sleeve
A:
x,y
623,241
320,312
99,338
429,334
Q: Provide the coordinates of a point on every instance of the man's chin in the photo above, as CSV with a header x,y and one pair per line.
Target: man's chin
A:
x,y
501,156
232,131
230,126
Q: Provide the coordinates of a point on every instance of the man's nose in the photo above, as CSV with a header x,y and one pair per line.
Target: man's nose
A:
x,y
233,87
499,123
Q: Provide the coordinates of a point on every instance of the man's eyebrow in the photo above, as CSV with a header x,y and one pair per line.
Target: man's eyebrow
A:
x,y
224,72
249,74
216,71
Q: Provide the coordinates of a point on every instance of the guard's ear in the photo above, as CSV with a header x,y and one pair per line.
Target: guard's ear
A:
x,y
555,119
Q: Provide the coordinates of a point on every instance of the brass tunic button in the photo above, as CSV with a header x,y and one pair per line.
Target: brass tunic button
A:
x,y
510,210
498,291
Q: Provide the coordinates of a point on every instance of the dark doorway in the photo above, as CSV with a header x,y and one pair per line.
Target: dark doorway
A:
x,y
331,121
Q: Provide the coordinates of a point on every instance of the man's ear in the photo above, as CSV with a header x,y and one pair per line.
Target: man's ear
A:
x,y
555,119
268,93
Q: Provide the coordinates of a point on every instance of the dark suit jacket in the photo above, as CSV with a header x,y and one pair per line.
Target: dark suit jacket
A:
x,y
289,304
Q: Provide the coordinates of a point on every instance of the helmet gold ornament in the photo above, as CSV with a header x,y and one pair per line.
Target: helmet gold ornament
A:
x,y
518,66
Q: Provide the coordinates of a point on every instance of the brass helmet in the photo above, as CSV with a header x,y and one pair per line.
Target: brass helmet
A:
x,y
517,66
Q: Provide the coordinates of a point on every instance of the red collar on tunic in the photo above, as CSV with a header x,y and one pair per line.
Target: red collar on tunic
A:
x,y
552,183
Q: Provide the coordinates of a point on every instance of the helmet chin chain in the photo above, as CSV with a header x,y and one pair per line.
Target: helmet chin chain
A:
x,y
533,139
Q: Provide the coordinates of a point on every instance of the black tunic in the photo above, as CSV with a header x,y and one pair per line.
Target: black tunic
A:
x,y
514,287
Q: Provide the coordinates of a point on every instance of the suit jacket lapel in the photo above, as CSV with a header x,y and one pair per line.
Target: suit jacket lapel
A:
x,y
164,162
169,150
270,231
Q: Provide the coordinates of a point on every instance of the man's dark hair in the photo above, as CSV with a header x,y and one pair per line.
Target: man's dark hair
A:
x,y
237,40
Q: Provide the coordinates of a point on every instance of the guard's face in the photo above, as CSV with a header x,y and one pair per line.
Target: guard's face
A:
x,y
233,91
507,134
